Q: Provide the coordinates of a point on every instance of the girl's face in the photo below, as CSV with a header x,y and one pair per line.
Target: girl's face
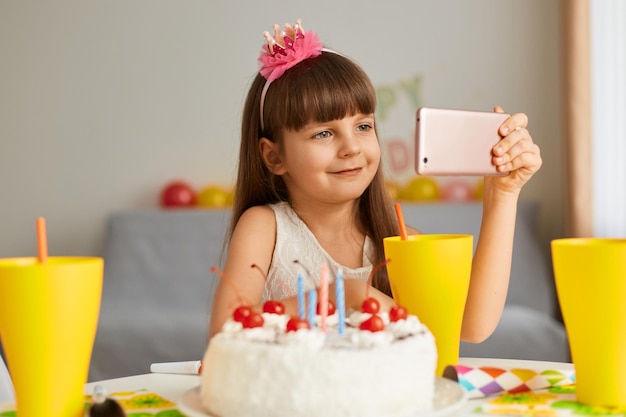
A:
x,y
330,162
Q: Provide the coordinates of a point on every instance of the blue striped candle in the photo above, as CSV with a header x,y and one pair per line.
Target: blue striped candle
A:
x,y
312,306
340,300
300,296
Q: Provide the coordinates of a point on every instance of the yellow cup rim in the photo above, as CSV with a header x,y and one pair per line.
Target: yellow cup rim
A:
x,y
431,236
51,261
586,241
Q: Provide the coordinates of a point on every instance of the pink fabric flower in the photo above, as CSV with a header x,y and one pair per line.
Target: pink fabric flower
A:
x,y
274,66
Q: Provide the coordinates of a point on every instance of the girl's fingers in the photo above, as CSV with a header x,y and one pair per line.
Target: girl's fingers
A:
x,y
527,155
509,150
509,141
516,121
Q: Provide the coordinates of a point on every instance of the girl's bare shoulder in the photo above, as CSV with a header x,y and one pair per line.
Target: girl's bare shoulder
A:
x,y
257,219
253,240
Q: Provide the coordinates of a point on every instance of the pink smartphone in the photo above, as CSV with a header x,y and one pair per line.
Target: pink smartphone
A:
x,y
456,142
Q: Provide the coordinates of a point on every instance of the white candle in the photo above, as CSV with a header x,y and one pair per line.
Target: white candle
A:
x,y
186,367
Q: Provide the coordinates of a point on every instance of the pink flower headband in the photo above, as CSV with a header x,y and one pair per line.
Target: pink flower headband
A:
x,y
284,50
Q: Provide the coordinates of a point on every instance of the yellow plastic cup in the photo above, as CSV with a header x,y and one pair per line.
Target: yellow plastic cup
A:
x,y
48,320
590,276
429,275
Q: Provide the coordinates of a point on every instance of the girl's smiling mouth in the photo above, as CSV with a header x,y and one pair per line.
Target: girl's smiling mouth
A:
x,y
348,171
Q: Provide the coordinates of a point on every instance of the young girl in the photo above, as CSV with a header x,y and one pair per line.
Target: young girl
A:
x,y
310,189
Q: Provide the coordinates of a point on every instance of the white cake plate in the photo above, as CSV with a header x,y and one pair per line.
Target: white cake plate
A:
x,y
449,398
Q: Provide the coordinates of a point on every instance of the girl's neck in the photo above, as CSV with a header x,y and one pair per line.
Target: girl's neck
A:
x,y
329,217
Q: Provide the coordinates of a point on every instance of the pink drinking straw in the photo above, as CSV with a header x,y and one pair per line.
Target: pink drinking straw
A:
x,y
403,234
42,241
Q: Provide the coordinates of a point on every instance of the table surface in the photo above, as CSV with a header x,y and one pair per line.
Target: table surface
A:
x,y
173,386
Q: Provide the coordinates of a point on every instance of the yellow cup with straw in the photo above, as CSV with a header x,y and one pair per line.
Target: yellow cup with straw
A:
x,y
429,275
49,308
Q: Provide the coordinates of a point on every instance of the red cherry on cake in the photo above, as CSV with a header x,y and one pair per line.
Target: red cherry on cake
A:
x,y
370,305
252,321
397,313
331,308
373,324
273,307
296,323
242,313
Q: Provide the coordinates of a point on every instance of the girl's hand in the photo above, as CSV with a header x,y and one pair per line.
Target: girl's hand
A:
x,y
515,153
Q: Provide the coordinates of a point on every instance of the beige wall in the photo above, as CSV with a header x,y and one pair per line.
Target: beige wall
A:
x,y
103,102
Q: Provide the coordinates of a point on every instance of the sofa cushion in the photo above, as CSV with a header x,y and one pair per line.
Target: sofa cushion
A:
x,y
157,289
523,333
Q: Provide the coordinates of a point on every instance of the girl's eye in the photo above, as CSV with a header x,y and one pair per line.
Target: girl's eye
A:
x,y
364,127
322,135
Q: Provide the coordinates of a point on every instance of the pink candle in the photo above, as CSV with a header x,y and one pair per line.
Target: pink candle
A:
x,y
323,296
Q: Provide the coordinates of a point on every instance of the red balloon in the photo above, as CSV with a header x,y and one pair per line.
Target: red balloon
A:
x,y
178,194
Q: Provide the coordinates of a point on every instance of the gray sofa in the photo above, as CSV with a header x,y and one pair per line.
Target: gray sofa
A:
x,y
158,287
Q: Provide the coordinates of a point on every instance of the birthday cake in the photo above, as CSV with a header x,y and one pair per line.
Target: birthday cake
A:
x,y
380,364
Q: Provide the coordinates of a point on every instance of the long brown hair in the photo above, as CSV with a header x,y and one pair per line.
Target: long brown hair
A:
x,y
320,89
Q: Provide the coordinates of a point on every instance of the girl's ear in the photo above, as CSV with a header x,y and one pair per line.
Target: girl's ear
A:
x,y
271,156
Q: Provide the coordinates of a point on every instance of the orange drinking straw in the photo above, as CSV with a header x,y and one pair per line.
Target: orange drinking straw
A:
x,y
42,241
403,235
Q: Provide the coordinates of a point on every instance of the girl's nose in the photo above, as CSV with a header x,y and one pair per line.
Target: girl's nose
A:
x,y
350,145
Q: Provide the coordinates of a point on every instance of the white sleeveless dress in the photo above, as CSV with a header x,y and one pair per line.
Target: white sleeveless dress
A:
x,y
294,241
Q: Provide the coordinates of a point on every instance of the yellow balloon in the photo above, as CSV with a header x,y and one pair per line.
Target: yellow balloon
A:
x,y
213,196
420,189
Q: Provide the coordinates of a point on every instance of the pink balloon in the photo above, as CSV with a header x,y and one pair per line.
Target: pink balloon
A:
x,y
457,190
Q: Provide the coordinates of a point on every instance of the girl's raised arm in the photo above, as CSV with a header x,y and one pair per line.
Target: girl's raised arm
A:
x,y
491,267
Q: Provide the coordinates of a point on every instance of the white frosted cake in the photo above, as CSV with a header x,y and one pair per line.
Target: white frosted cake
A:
x,y
267,371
